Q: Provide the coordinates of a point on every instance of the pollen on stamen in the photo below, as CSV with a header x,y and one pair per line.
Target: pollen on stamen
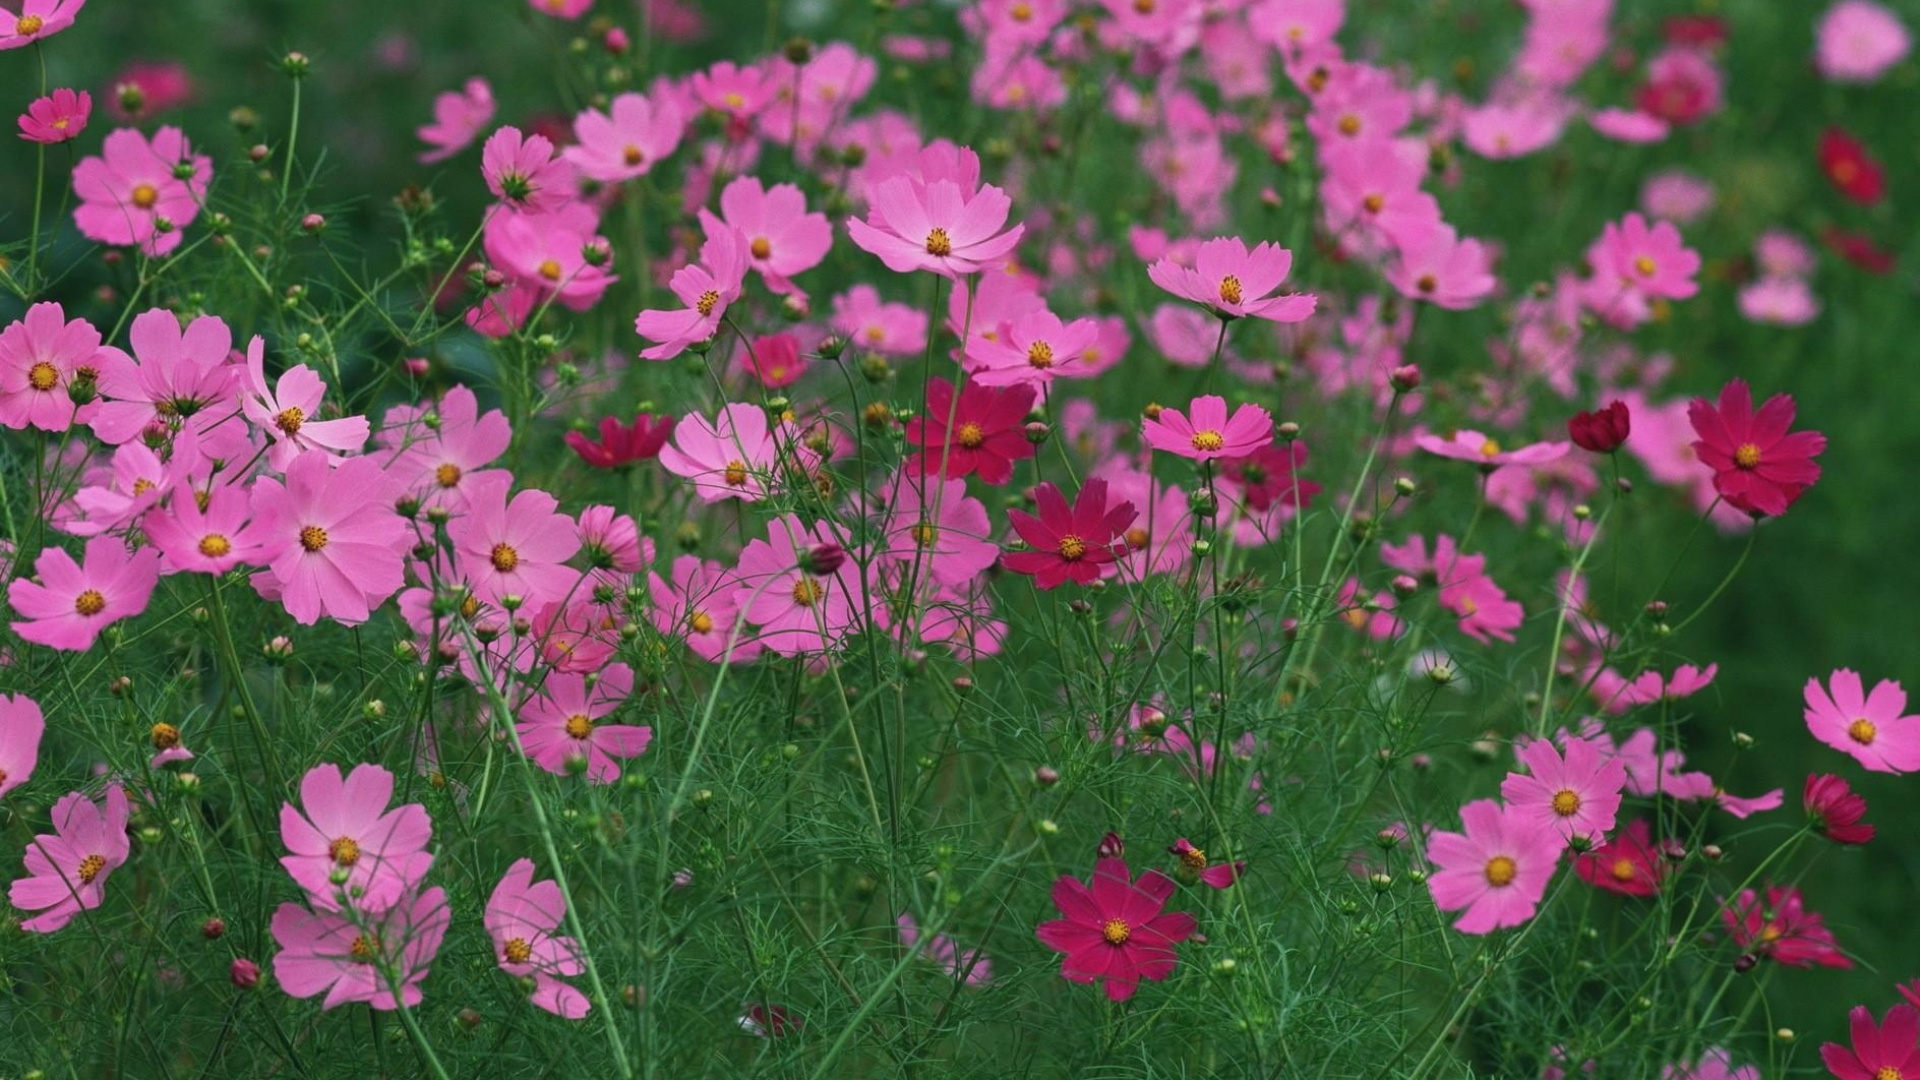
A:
x,y
90,868
938,243
28,24
579,726
970,435
164,736
145,195
1644,266
1426,283
1349,125
807,593
632,156
761,247
517,951
1071,547
1501,871
1230,292
1208,441
43,376
215,546
550,269
1863,731
504,558
289,420
344,851
1374,203
1566,803
1747,456
447,475
1040,355
700,622
90,603
1623,870
1116,932
707,302
736,474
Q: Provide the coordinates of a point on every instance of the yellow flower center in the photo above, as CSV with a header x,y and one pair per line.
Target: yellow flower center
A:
x,y
1373,203
1747,456
1623,870
364,948
29,24
700,622
1230,290
344,851
1500,871
1208,441
807,593
579,725
1566,803
90,866
1644,266
145,195
1349,125
1426,283
761,247
62,124
970,435
447,475
1071,547
1020,12
517,951
1194,858
1138,538
142,486
550,269
90,602
1489,448
707,302
504,558
289,420
1116,931
1888,1072
734,100
632,156
214,546
938,243
736,474
165,736
313,538
1863,731
43,376
1040,355
924,533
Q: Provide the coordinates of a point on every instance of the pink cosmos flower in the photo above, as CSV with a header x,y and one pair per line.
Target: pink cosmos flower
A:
x,y
1779,301
67,869
1714,1064
1469,445
133,193
21,726
623,444
731,457
288,411
1651,260
1782,929
706,288
1270,477
1483,607
322,951
1233,282
611,540
938,226
518,549
1497,868
783,239
775,361
335,544
1377,181
71,603
1032,349
634,134
697,606
1887,1051
37,21
1077,543
207,537
1116,930
553,256
42,355
56,118
1437,266
870,323
1194,861
739,92
143,89
558,727
797,610
1617,695
1629,126
1676,195
1296,25
180,374
1502,130
523,172
458,118
1207,433
1576,796
522,918
348,848
933,526
136,480
969,966
449,460
1858,41
1870,728
981,432
561,9
1683,86
1758,466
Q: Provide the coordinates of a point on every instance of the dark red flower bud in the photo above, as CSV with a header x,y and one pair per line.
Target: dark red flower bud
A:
x,y
823,559
1603,430
1112,847
244,973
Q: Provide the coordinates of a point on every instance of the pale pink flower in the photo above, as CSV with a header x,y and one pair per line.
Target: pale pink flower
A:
x,y
523,918
1497,868
210,537
1873,728
1030,349
706,288
288,412
934,527
1779,301
178,376
969,966
697,606
559,727
523,172
796,610
732,457
1858,41
41,355
1629,125
21,727
1651,260
348,849
628,140
782,238
1234,282
134,193
326,952
458,118
1577,796
72,602
67,869
1439,267
515,549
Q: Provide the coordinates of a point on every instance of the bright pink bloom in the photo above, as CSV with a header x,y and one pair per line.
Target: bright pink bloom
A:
x,y
938,226
1207,433
179,375
697,606
933,526
731,457
1076,543
1779,301
1031,349
775,361
37,21
1497,868
1377,181
738,92
559,727
1758,466
628,140
67,869
518,549
783,239
1575,797
1269,477
969,966
1469,445
144,89
21,726
1858,41
327,952
209,539
1618,695
335,547
523,172
1484,608
344,830
1502,130
1683,87
797,610
554,256
289,412
1887,1051
59,116
872,324
1871,728
71,603
706,288
1233,282
1214,876
1714,1064
1651,260
622,444
1437,266
522,918
1783,929
1115,929
982,432
1296,25
1628,864
458,118
449,460
42,355
1629,126
1835,810
132,193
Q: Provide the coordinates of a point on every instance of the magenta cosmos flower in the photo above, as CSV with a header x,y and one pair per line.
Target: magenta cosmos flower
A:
x,y
1758,465
21,727
458,119
1469,445
1193,860
1234,282
939,226
558,728
1835,810
934,529
173,376
697,606
1576,797
1782,929
1885,1051
67,870
1439,267
42,355
870,323
335,543
622,444
515,549
732,457
783,239
1076,543
72,602
134,192
706,288
982,432
1115,929
1207,433
56,118
326,952
288,412
1651,259
207,539
522,172
523,917
626,141
1870,728
37,20
347,846
1497,868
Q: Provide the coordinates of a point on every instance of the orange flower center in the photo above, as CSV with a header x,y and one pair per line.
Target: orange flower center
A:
x,y
1501,871
144,195
364,948
1623,870
90,866
164,736
806,593
938,243
1845,171
924,533
1194,858
1426,283
1644,266
43,376
1489,448
1138,538
517,951
1349,125
29,24
736,475
550,269
970,435
579,725
1863,731
700,622
1072,547
1020,12
313,538
215,546
1040,355
344,851
708,301
1116,931
632,156
1374,203
447,475
1747,456
1230,290
90,603
761,247
142,486
1566,803
504,558
289,420
1208,441
1888,1072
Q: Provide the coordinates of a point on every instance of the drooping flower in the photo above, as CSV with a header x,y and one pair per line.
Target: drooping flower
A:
x,y
139,191
41,356
1835,810
1076,543
1858,41
348,849
21,727
628,140
56,118
1575,796
1601,431
289,412
1758,465
1207,433
1469,445
458,118
1628,864
1870,728
1220,875
970,966
523,918
72,602
523,172
730,457
938,226
706,288
67,869
1497,868
515,548
1116,930
978,431
325,951
1889,1050
1234,282
1782,929
622,444
559,727
335,543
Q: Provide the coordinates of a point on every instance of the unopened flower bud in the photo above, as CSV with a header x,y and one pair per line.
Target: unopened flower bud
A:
x,y
244,973
295,65
823,559
1037,432
1405,487
1288,431
1404,585
213,928
1112,847
1405,379
1046,776
312,224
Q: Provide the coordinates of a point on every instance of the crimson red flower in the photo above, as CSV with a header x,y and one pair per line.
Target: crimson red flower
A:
x,y
1758,466
1836,810
1115,929
1911,991
1603,430
623,443
1889,1050
1854,171
1076,543
1858,249
1696,31
1628,864
1782,929
1271,475
984,432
